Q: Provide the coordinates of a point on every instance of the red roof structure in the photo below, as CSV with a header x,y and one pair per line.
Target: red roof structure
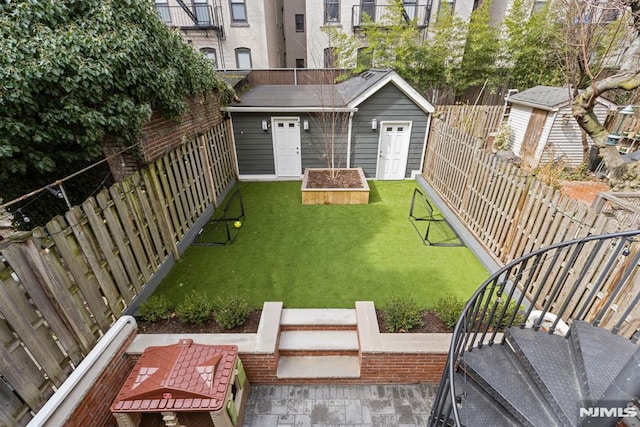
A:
x,y
179,377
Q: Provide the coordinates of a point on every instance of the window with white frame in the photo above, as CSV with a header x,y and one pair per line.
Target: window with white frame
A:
x,y
331,11
243,58
238,11
201,11
162,7
210,53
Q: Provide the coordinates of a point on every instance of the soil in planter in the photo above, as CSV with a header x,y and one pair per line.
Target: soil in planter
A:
x,y
344,179
432,324
174,326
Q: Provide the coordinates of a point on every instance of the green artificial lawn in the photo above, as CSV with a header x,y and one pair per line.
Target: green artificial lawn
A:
x,y
325,256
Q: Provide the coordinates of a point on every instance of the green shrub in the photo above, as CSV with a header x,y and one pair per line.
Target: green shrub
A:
x,y
231,310
449,309
493,323
156,308
194,308
402,314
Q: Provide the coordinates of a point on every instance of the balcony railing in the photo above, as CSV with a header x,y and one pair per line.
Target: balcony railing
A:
x,y
196,16
362,15
592,279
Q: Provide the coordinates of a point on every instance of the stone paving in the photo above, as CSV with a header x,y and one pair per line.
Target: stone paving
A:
x,y
338,405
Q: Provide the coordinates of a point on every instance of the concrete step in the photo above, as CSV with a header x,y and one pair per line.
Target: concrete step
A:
x,y
318,341
318,367
317,318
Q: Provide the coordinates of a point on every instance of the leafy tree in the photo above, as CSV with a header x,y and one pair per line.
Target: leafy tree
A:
x,y
480,57
530,40
74,71
589,37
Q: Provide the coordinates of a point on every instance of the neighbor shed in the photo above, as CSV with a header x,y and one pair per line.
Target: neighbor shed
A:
x,y
380,123
543,127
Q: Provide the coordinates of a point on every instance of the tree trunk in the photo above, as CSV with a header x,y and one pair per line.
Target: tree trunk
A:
x,y
623,176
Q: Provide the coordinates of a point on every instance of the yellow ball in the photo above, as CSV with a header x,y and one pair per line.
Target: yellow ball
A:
x,y
237,224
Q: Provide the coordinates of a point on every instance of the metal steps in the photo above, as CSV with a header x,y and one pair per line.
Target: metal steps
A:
x,y
538,379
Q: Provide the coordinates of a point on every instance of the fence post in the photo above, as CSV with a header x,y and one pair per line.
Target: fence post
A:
x,y
515,222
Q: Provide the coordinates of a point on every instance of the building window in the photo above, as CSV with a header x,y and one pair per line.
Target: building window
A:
x,y
409,9
300,63
364,58
331,11
447,6
162,7
201,10
243,58
299,23
330,57
238,11
210,53
368,7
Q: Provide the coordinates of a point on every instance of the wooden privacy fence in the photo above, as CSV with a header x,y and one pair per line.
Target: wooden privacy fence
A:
x,y
513,213
63,285
476,120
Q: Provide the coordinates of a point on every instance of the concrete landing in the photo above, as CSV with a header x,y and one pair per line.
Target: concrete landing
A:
x,y
319,367
318,340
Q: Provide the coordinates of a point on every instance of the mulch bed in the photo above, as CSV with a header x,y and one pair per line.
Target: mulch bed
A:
x,y
431,320
174,326
432,324
344,179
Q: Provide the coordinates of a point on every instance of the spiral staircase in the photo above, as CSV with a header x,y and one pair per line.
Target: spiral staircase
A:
x,y
551,339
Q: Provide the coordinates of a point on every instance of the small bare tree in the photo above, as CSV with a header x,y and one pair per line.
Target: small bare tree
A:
x,y
333,125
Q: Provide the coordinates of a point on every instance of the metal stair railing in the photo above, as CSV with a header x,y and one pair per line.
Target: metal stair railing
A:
x,y
592,279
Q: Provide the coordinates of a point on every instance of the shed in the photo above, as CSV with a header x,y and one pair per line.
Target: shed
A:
x,y
543,127
380,123
185,384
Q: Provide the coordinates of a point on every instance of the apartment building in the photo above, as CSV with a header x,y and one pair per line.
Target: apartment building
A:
x,y
234,34
255,34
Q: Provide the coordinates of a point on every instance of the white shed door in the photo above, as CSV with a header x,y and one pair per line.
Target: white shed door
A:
x,y
394,150
286,140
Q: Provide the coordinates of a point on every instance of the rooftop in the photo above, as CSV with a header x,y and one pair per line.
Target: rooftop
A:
x,y
182,376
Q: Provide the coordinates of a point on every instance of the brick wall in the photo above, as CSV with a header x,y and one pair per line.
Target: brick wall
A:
x,y
95,407
375,368
160,135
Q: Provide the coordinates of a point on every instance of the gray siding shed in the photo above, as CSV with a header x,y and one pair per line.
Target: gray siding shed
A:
x,y
388,104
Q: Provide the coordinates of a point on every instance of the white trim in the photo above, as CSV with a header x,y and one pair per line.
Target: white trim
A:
x,y
401,84
381,126
287,109
349,134
275,145
233,144
69,395
268,177
424,145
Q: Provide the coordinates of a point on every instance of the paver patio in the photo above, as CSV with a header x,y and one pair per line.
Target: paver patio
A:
x,y
336,405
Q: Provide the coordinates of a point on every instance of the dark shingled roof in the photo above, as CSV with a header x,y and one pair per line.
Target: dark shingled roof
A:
x,y
545,96
338,95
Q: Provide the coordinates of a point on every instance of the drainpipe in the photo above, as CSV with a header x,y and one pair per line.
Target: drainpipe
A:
x,y
349,139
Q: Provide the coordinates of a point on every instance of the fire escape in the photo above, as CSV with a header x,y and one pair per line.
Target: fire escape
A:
x,y
205,17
